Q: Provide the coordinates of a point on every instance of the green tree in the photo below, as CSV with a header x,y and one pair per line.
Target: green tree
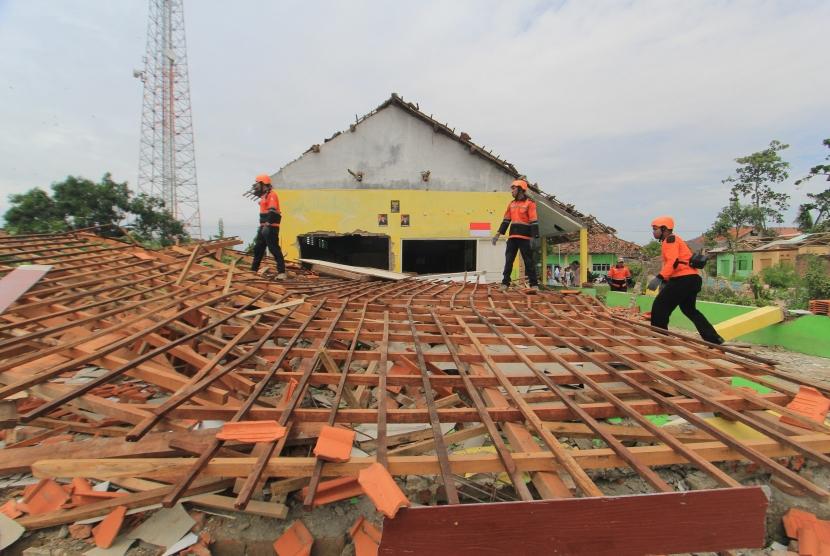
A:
x,y
84,203
33,212
652,249
729,222
220,232
814,215
754,180
153,224
81,203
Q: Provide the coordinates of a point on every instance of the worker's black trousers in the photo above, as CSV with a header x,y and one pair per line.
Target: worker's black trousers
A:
x,y
515,244
268,237
682,292
618,285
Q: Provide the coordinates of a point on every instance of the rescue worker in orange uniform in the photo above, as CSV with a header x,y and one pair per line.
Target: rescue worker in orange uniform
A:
x,y
680,282
521,217
618,276
270,217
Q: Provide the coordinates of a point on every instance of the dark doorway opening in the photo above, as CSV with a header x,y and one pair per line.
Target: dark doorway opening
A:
x,y
439,256
355,250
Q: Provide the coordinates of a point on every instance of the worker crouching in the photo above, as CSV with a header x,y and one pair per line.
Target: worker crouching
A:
x,y
268,234
679,282
619,276
521,217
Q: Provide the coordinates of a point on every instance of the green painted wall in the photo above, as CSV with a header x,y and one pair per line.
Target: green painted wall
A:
x,y
566,259
563,260
809,334
602,258
743,268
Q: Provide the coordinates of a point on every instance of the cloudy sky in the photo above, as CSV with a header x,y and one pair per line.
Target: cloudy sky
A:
x,y
626,109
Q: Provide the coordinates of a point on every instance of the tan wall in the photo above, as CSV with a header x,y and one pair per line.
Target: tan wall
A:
x,y
766,259
814,250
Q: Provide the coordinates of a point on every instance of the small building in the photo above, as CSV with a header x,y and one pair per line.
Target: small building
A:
x,y
749,239
788,251
739,265
603,250
746,234
399,190
753,257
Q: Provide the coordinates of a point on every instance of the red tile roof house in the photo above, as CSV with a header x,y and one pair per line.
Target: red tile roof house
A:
x,y
603,250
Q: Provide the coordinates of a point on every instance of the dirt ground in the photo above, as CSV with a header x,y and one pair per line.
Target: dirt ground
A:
x,y
235,534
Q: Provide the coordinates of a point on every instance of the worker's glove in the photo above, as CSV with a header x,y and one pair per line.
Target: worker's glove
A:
x,y
655,282
534,243
495,239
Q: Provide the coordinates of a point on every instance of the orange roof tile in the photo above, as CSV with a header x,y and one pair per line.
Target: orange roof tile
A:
x,y
290,386
295,541
334,490
105,532
251,431
366,538
334,444
382,489
46,496
810,403
813,534
10,509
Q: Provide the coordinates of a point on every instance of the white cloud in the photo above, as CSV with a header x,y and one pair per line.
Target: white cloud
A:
x,y
627,109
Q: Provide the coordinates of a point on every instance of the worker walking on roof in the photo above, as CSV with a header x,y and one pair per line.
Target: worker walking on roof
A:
x,y
521,217
270,217
619,276
680,282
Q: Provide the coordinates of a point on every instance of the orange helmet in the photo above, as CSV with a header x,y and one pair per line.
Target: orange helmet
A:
x,y
663,221
520,184
264,178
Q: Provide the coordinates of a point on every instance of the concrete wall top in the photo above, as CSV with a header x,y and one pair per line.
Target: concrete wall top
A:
x,y
391,149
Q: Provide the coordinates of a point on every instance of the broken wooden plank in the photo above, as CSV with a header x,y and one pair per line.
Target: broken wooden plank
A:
x,y
697,521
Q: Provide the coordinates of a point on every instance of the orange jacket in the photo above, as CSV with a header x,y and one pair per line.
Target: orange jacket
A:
x,y
269,209
522,219
676,255
619,274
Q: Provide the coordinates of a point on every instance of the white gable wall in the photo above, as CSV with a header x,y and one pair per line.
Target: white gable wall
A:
x,y
392,148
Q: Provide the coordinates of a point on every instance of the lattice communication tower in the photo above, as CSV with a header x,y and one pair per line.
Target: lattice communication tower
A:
x,y
167,159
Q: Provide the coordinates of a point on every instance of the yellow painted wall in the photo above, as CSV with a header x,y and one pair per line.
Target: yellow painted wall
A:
x,y
432,214
766,259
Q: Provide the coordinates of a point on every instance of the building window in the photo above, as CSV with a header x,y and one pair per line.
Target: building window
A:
x,y
742,264
601,267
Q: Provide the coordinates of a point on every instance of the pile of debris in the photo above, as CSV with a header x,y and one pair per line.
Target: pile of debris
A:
x,y
819,306
132,378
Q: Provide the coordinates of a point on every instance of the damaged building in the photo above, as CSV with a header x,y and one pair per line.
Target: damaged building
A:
x,y
399,190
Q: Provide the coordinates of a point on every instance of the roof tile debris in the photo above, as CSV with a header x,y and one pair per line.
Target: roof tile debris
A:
x,y
599,242
111,320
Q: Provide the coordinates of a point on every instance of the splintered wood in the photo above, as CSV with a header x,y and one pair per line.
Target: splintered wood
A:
x,y
117,360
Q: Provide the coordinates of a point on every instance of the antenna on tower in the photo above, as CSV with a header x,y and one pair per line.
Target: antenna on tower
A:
x,y
167,159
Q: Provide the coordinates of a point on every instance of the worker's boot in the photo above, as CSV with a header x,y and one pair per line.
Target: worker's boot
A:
x,y
280,276
503,287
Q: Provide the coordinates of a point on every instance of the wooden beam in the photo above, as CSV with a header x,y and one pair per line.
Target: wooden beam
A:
x,y
547,412
413,465
697,521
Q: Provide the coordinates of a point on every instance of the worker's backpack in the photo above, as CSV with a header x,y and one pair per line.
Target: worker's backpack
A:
x,y
698,260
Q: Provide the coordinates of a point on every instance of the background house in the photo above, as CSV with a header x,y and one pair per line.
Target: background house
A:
x,y
748,240
788,251
400,190
754,257
603,250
